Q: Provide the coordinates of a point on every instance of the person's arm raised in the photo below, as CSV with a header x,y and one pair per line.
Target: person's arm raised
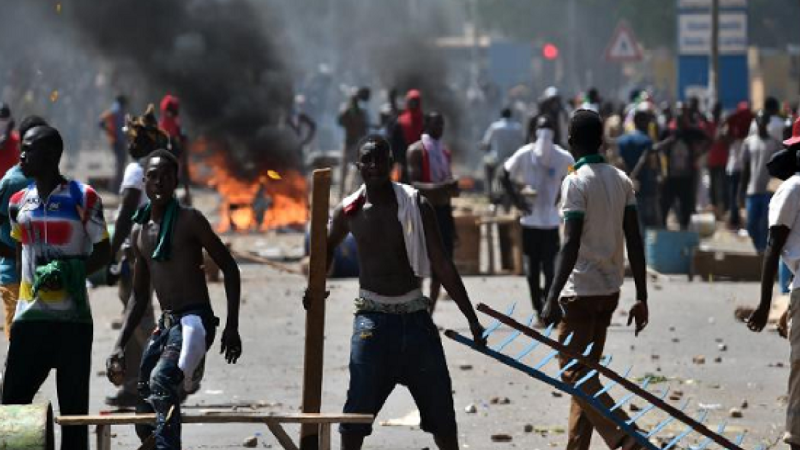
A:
x,y
231,343
446,271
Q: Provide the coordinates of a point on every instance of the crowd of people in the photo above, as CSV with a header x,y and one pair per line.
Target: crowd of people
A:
x,y
586,174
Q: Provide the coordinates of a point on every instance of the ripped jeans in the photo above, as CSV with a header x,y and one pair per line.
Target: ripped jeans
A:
x,y
162,385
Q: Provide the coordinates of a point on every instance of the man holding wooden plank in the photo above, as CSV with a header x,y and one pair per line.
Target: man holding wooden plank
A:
x,y
394,339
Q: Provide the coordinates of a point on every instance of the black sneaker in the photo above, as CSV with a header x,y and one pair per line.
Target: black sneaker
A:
x,y
122,399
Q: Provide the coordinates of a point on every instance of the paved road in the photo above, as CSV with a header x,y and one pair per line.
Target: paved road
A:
x,y
687,320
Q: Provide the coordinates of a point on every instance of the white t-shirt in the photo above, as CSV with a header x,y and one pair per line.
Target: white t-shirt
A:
x,y
599,193
504,137
525,169
784,209
134,179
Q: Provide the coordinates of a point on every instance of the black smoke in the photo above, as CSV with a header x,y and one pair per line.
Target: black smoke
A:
x,y
218,56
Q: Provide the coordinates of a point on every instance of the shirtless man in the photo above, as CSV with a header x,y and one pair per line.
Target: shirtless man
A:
x,y
429,171
394,340
168,242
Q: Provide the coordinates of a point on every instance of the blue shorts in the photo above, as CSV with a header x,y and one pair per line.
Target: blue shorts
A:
x,y
391,349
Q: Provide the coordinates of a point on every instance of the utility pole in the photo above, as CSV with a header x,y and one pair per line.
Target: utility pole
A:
x,y
713,78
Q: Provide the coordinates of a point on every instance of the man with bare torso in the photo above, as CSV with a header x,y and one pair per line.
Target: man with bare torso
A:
x,y
168,242
429,171
394,340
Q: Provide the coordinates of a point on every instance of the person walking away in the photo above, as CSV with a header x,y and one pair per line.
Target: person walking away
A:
x,y
757,150
112,121
687,145
12,182
354,119
643,166
500,141
429,171
717,161
599,208
52,326
738,126
394,339
784,243
532,178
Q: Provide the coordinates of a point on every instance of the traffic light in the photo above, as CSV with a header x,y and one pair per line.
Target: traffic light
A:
x,y
550,52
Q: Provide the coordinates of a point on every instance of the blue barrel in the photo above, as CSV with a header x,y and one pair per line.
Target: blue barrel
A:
x,y
670,251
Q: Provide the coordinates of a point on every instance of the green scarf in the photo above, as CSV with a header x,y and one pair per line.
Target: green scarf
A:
x,y
164,245
69,274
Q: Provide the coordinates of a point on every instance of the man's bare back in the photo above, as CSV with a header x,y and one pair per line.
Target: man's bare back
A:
x,y
180,281
384,267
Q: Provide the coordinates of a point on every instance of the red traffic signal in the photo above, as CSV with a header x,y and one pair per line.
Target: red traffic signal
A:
x,y
550,52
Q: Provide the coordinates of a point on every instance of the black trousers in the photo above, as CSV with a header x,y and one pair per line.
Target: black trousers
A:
x,y
38,347
682,190
540,248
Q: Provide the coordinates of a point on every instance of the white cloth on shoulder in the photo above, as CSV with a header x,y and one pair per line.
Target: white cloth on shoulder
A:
x,y
437,159
410,219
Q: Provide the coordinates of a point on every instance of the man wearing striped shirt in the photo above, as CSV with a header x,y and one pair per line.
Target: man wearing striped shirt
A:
x,y
62,237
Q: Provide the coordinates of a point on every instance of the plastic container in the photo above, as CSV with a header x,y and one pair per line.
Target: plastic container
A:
x,y
670,252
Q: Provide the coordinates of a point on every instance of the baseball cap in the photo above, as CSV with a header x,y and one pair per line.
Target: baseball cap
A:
x,y
795,139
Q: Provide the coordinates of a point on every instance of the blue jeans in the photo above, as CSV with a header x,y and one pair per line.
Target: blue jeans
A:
x,y
784,278
391,349
161,380
757,206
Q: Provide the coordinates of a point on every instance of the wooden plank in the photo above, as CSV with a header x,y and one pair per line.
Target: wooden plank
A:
x,y
315,314
138,419
325,436
281,436
103,437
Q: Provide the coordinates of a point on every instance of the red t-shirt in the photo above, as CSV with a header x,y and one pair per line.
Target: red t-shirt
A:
x,y
718,154
9,153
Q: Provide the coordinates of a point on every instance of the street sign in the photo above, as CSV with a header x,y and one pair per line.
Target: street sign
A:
x,y
623,46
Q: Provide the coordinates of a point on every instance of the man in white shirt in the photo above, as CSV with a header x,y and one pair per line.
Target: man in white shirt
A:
x,y
757,150
537,170
599,209
501,140
784,242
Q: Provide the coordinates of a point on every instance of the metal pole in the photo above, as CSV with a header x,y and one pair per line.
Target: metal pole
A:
x,y
713,78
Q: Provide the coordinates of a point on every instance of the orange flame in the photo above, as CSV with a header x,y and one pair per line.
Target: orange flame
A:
x,y
273,200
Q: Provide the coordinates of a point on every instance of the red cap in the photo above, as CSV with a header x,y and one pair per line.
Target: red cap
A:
x,y
795,139
413,94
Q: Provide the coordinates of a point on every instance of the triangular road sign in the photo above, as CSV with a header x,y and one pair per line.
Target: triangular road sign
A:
x,y
623,46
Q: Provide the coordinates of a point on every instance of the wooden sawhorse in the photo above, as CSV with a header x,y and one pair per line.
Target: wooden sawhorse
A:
x,y
104,423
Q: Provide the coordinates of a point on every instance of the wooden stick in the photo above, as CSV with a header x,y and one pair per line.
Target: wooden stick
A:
x,y
315,314
227,417
103,437
281,436
325,436
267,262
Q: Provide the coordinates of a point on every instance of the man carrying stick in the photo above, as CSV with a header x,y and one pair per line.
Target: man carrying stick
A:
x,y
394,340
599,210
168,241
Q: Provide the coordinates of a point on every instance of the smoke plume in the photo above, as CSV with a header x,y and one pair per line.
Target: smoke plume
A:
x,y
217,56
